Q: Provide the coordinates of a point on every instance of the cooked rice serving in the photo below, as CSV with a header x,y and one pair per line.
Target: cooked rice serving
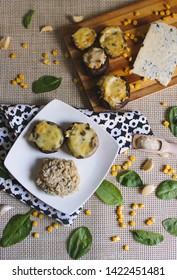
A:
x,y
145,142
58,177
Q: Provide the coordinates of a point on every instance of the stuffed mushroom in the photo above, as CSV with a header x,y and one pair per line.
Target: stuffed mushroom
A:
x,y
47,136
84,38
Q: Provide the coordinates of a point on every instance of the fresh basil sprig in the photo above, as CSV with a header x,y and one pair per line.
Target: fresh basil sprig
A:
x,y
79,243
147,237
109,193
130,179
27,18
170,225
17,229
46,84
173,120
167,190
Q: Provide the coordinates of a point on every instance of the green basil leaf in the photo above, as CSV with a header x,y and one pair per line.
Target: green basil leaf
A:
x,y
167,190
17,229
109,193
170,225
46,84
147,237
130,179
173,120
79,243
3,172
27,18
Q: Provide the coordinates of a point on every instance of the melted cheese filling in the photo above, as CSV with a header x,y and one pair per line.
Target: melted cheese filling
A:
x,y
84,37
46,136
112,41
82,140
94,58
113,89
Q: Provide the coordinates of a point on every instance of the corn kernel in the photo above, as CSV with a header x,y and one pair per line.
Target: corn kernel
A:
x,y
152,219
136,13
54,52
35,223
126,247
13,82
123,225
137,86
132,86
164,104
156,13
88,212
25,45
125,54
18,80
132,223
35,213
166,123
174,15
36,234
12,55
134,206
132,158
117,167
125,22
129,20
46,62
49,228
127,34
167,166
21,77
130,58
174,176
45,55
121,215
125,152
114,173
135,22
115,238
124,167
120,219
148,222
132,213
132,36
172,170
167,12
128,49
21,84
25,86
162,13
128,163
55,225
40,216
113,167
119,209
167,6
145,79
165,171
141,205
56,61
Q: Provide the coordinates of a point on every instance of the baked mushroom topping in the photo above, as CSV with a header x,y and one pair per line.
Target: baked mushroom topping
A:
x,y
113,91
82,140
84,38
112,40
47,136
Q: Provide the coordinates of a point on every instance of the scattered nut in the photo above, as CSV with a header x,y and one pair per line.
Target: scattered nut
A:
x,y
148,189
77,19
46,28
5,42
148,165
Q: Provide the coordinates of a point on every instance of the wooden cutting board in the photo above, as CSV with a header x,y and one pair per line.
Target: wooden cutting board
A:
x,y
144,13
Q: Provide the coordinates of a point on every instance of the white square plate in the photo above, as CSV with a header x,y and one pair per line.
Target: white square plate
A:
x,y
24,159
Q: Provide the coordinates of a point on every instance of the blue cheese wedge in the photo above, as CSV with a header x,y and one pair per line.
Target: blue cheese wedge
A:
x,y
157,57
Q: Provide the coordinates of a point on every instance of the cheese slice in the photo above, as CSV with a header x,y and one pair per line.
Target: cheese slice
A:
x,y
157,58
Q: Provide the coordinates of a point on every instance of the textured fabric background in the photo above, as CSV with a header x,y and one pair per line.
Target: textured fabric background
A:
x,y
103,221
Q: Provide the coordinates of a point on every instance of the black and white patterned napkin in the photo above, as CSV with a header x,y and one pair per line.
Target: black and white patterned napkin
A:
x,y
13,119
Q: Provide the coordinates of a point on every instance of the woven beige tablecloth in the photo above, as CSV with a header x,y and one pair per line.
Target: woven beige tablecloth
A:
x,y
103,220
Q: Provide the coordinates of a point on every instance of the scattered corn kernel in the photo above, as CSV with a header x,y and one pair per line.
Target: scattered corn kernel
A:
x,y
129,20
13,82
174,176
113,167
174,15
12,55
56,61
127,34
152,219
167,166
123,225
130,58
88,212
167,6
25,86
125,22
119,209
35,214
166,123
132,86
132,213
135,22
114,173
120,219
162,13
136,13
55,225
35,223
141,205
21,77
167,12
45,55
54,52
125,54
40,216
145,79
125,152
18,80
36,234
117,167
126,247
49,228
115,238
132,223
128,163
124,167
134,206
121,215
25,45
164,104
21,84
132,36
137,85
165,171
132,158
156,13
47,62
149,222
